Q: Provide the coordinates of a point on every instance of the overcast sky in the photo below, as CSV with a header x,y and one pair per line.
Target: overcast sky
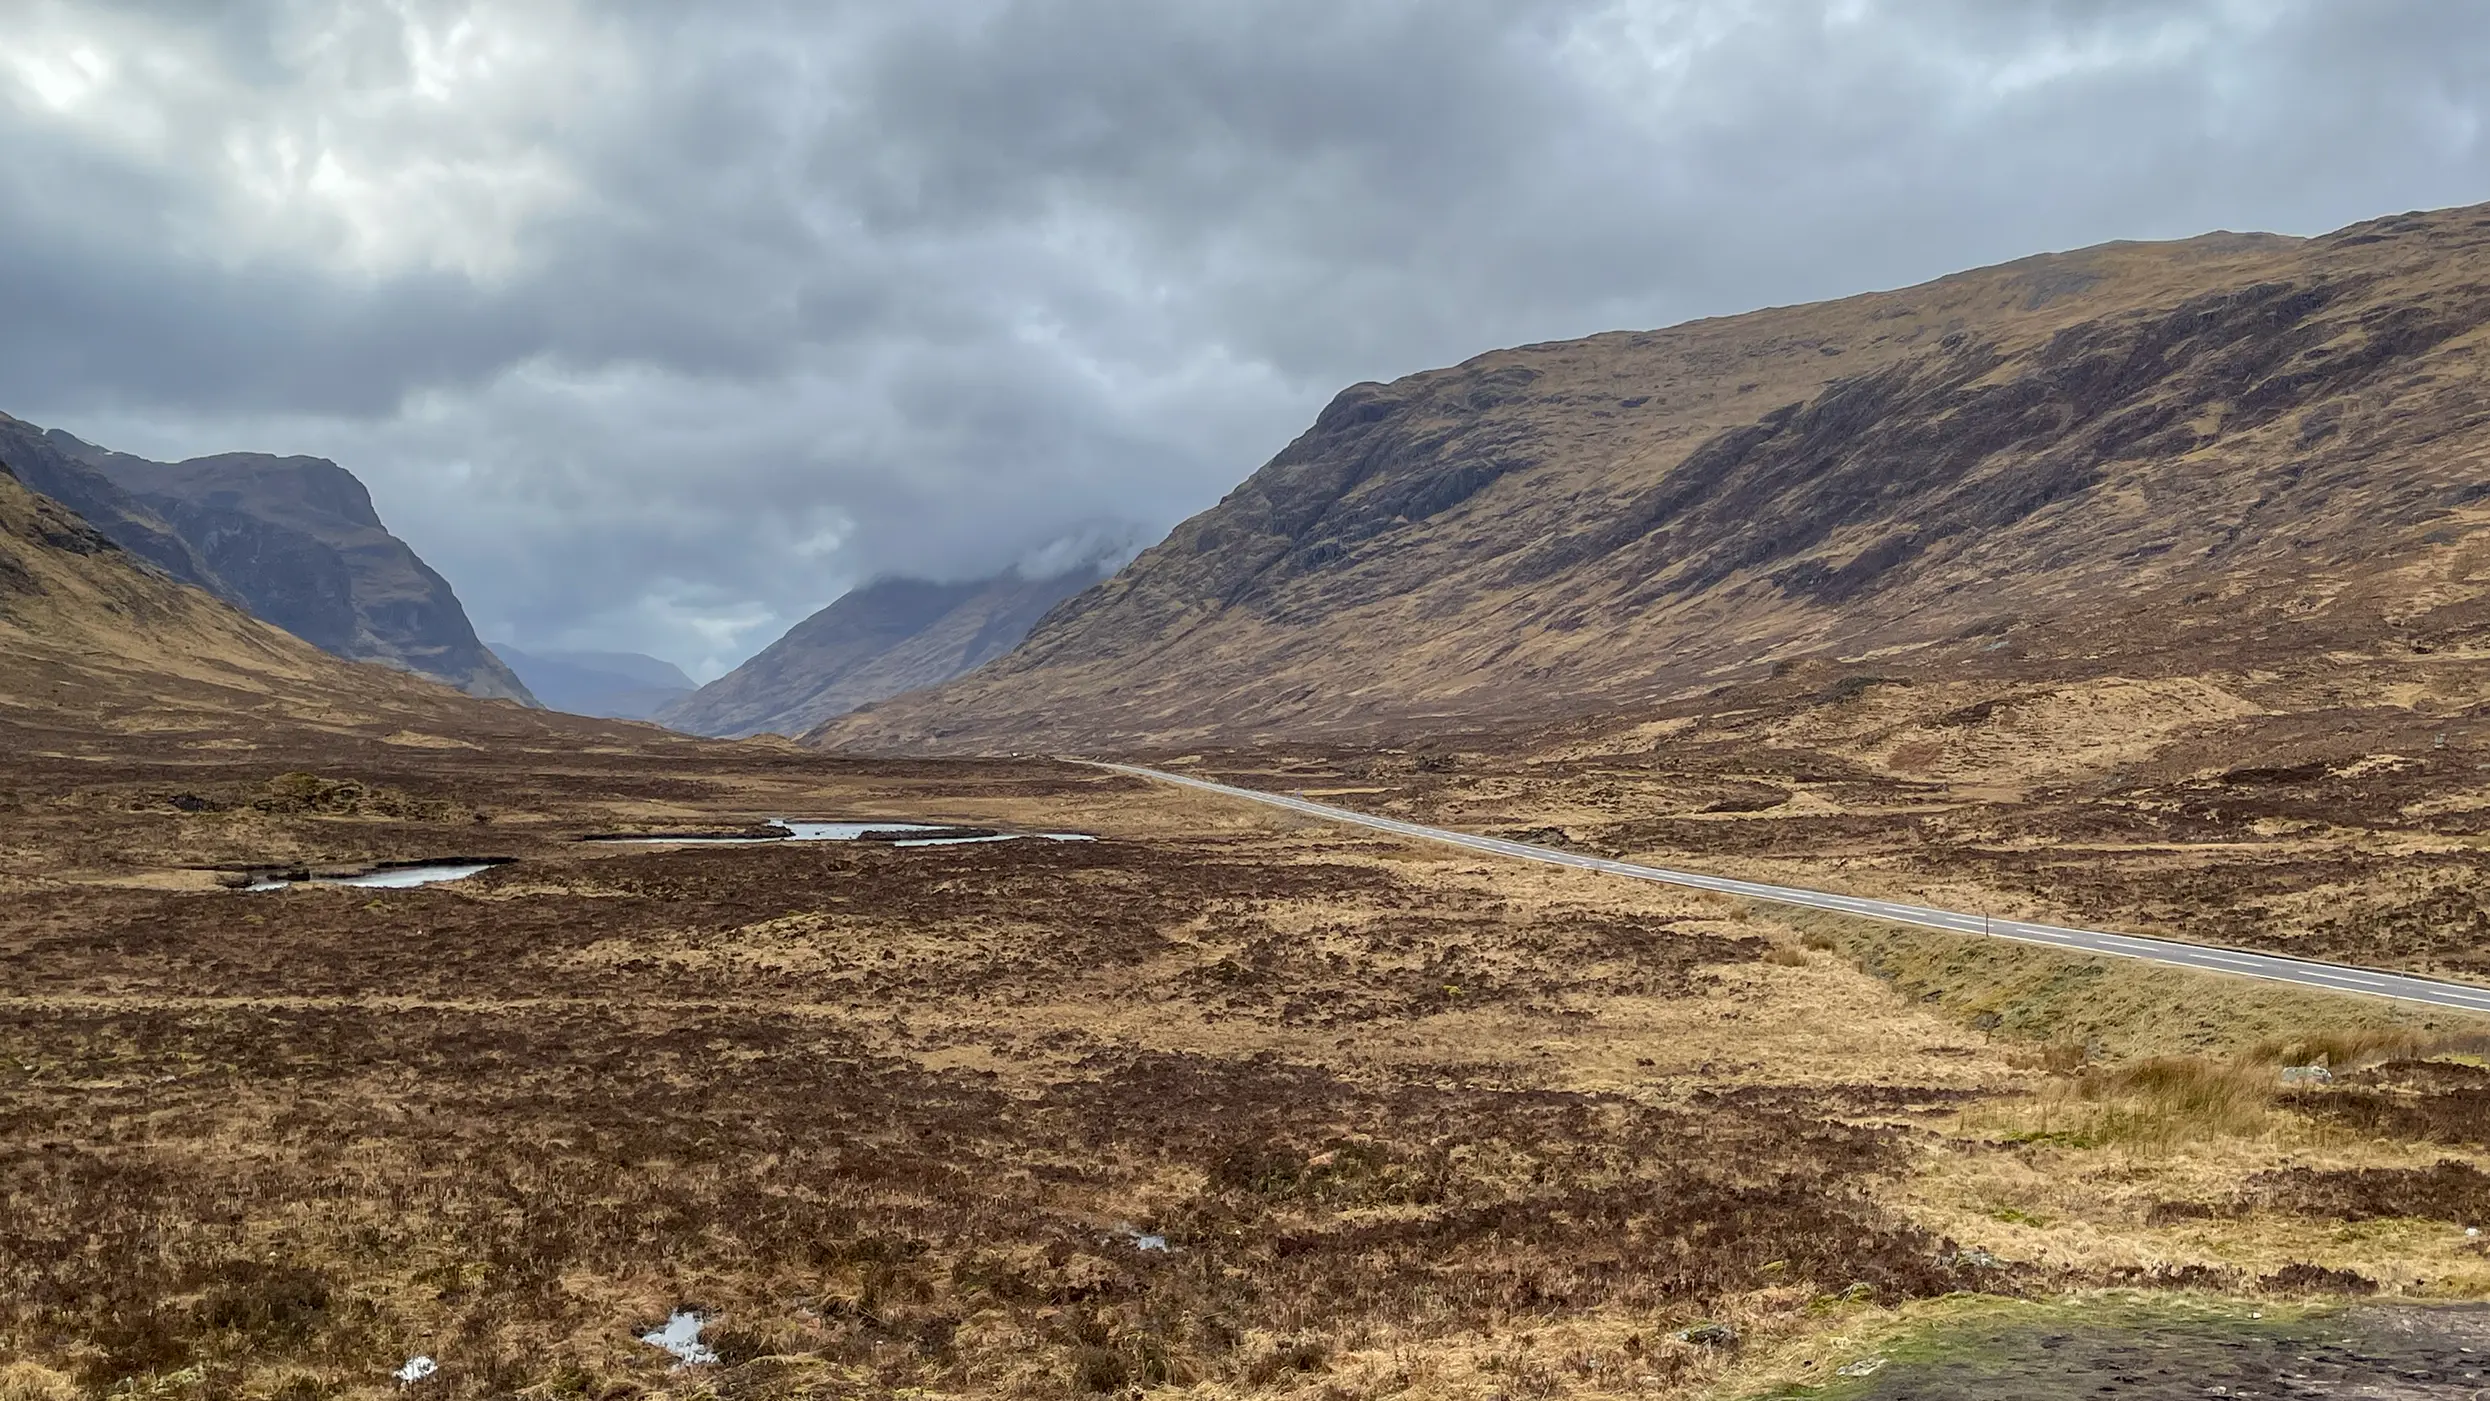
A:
x,y
655,326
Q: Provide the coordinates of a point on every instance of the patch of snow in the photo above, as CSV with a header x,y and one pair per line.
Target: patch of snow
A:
x,y
681,1336
416,1369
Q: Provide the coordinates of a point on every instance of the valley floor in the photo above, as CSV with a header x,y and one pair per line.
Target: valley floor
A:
x,y
2334,809
1222,1103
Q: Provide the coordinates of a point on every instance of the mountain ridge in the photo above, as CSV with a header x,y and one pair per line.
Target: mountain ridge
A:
x,y
101,644
1594,523
300,542
888,637
37,459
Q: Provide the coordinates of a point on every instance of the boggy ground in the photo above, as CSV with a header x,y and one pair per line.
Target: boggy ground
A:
x,y
1407,1121
2143,1346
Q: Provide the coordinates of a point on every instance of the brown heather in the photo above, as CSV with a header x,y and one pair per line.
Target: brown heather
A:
x,y
1408,1121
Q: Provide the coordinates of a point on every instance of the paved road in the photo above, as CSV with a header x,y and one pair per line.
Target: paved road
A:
x,y
2329,976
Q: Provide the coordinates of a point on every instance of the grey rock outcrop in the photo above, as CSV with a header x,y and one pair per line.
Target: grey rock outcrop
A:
x,y
48,466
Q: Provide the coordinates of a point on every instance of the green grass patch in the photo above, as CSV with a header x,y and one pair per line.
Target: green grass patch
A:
x,y
1967,1348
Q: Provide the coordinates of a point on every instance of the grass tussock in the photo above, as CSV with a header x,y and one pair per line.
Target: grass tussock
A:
x,y
2148,1106
2158,1103
2340,1048
28,1381
2165,1100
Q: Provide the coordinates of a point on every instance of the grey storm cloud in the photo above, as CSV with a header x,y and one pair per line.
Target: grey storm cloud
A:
x,y
656,326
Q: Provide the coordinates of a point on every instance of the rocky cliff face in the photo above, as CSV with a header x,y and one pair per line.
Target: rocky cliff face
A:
x,y
103,655
2283,437
294,540
98,643
52,469
886,638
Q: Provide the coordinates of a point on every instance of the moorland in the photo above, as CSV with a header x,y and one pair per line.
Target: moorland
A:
x,y
1222,1102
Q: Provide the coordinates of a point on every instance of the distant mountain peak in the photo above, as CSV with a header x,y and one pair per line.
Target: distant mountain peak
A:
x,y
890,635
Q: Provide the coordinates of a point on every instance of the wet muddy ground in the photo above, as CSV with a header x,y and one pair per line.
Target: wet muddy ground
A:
x,y
2388,1353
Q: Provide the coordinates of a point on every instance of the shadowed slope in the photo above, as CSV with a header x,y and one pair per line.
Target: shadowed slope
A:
x,y
296,540
51,464
98,647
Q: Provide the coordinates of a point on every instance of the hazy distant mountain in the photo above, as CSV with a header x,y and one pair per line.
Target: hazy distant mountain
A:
x,y
612,685
2269,444
294,540
889,636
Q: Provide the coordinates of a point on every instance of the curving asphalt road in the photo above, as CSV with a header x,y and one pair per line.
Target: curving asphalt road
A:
x,y
2332,977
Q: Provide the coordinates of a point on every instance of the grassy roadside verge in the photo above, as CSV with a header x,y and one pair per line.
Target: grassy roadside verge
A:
x,y
2094,1008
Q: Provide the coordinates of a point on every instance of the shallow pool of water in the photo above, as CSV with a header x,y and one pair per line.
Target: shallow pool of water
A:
x,y
891,833
387,877
855,831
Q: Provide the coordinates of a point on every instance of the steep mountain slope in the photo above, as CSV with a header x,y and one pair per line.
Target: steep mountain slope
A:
x,y
98,645
295,540
611,685
891,636
105,662
2254,441
52,463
